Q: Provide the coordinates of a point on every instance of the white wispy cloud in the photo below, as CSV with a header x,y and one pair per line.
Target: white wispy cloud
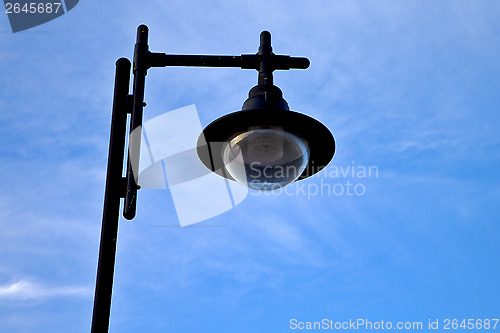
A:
x,y
25,290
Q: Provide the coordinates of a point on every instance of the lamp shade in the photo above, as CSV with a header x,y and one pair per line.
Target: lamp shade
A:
x,y
265,146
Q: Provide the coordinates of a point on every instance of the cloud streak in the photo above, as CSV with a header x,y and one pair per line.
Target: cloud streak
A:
x,y
25,290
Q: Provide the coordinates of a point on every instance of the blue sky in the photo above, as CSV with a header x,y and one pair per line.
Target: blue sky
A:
x,y
411,88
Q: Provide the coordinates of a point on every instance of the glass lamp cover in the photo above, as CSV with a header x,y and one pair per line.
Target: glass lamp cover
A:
x,y
265,158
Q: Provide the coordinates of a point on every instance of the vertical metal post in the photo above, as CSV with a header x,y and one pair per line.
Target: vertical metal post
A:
x,y
113,192
140,71
265,52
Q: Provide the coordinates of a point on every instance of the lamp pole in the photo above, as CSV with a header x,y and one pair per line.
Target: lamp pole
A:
x,y
115,189
117,186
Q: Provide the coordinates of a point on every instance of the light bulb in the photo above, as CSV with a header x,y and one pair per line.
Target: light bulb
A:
x,y
265,158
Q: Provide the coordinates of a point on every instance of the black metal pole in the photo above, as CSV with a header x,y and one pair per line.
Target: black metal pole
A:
x,y
266,67
244,61
114,191
140,70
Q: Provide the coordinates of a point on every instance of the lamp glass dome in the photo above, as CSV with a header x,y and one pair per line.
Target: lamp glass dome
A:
x,y
266,159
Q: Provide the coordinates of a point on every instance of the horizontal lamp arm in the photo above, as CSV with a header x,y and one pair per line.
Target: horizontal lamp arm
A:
x,y
245,61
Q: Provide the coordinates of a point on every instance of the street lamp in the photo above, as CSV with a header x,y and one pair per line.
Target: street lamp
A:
x,y
264,146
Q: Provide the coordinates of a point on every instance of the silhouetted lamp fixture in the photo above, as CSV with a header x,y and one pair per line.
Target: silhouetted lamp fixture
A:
x,y
264,146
